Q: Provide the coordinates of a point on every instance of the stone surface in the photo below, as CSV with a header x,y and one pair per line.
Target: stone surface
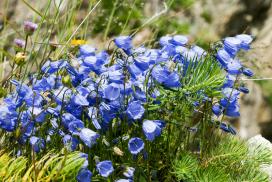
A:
x,y
259,141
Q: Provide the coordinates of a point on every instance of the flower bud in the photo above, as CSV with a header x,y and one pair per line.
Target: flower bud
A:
x,y
53,46
20,58
19,43
30,27
66,80
118,151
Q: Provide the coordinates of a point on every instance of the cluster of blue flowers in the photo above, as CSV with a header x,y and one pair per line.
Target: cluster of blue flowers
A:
x,y
79,99
227,57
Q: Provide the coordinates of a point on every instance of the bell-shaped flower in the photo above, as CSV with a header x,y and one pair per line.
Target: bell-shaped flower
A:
x,y
232,109
243,89
124,42
227,128
112,91
75,126
179,40
129,172
248,72
86,50
217,109
199,51
42,85
234,67
92,113
116,76
229,81
135,110
88,136
84,175
62,94
135,145
160,74
142,62
37,143
172,80
152,128
232,45
246,40
34,99
21,89
67,118
124,180
165,40
79,100
134,70
223,57
70,142
105,168
38,113
8,118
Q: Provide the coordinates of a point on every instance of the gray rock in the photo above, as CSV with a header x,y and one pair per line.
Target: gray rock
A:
x,y
259,141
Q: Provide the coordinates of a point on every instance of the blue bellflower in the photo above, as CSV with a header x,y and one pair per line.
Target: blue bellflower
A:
x,y
232,45
88,136
8,118
129,172
152,128
84,175
246,40
105,168
135,110
124,42
135,145
37,143
112,91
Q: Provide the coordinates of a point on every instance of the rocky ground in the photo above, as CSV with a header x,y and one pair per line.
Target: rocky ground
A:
x,y
209,20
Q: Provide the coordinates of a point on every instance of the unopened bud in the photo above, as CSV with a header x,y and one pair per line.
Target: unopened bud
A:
x,y
30,27
19,43
66,80
20,58
118,151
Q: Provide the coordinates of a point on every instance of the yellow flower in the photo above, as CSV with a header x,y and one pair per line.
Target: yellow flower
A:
x,y
77,42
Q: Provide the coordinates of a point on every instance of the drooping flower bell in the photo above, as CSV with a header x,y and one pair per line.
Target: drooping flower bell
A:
x,y
112,91
248,72
152,128
135,145
217,109
129,172
70,142
124,42
105,168
87,50
223,57
84,175
232,45
135,110
37,143
8,118
246,40
124,180
179,40
88,136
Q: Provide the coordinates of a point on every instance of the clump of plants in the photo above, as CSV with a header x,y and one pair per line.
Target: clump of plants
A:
x,y
135,114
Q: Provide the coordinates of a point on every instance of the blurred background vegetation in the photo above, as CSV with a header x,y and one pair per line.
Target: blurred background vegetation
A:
x,y
97,22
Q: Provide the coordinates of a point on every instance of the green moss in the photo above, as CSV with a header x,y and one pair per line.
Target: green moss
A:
x,y
206,15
